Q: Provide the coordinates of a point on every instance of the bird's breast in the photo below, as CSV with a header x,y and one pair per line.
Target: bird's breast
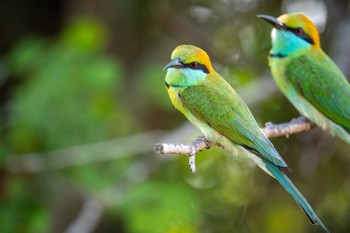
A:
x,y
278,70
176,99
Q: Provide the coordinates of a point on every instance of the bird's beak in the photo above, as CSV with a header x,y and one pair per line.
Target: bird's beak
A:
x,y
273,21
176,63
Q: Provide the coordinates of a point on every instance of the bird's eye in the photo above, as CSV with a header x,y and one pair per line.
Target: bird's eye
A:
x,y
194,65
298,31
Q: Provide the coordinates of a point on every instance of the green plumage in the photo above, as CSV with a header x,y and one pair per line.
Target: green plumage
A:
x,y
216,103
307,76
212,105
320,82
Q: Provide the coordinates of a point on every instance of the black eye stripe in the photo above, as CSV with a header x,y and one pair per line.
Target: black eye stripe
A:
x,y
198,66
304,36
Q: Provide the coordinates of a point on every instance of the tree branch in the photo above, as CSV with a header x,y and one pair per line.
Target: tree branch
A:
x,y
296,125
271,130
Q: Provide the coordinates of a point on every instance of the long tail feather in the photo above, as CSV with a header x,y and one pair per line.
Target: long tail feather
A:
x,y
298,197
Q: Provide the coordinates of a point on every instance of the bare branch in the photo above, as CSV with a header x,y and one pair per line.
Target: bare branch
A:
x,y
191,150
271,130
199,144
297,125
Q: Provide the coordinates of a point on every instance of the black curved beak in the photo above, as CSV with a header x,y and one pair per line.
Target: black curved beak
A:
x,y
273,21
176,63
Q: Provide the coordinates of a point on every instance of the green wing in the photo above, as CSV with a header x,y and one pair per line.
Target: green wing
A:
x,y
320,82
223,110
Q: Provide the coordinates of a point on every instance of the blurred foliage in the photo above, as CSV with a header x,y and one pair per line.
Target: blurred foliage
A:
x,y
81,73
65,79
166,202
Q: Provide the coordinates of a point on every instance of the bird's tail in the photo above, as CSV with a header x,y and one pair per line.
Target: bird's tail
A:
x,y
298,197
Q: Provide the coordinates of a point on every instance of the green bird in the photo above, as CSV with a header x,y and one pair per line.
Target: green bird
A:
x,y
213,106
307,76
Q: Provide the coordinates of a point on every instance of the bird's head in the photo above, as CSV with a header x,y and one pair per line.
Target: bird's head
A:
x,y
292,32
189,65
190,57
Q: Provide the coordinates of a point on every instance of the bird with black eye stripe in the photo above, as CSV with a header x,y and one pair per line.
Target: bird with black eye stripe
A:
x,y
307,76
214,107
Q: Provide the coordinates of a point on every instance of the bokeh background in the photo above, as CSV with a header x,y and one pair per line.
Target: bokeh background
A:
x,y
83,102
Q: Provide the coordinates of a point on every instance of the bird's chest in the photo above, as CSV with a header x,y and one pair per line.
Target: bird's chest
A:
x,y
175,97
279,70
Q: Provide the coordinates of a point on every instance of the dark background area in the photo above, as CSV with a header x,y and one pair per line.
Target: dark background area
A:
x,y
83,102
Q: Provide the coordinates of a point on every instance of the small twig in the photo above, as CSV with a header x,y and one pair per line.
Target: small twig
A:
x,y
271,130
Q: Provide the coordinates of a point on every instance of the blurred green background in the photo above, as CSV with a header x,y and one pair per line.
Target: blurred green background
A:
x,y
82,103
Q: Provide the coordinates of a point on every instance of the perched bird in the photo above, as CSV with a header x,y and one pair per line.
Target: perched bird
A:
x,y
212,105
307,76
